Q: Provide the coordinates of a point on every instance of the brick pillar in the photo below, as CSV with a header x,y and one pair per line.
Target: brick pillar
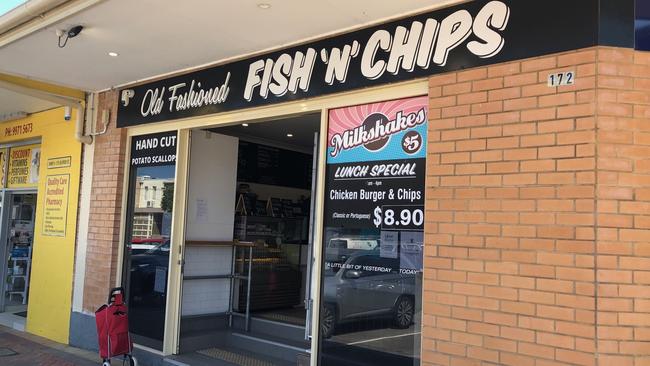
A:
x,y
623,247
510,231
105,208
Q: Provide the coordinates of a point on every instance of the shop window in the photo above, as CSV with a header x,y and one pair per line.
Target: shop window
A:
x,y
371,292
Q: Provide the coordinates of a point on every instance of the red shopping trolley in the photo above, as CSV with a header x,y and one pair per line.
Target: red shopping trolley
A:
x,y
112,322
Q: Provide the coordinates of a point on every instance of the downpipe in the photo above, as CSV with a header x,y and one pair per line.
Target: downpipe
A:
x,y
79,125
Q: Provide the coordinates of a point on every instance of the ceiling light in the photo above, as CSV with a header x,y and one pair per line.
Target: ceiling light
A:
x,y
264,5
244,124
289,135
113,54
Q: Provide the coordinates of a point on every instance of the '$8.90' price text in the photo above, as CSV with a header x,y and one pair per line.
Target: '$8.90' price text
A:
x,y
399,217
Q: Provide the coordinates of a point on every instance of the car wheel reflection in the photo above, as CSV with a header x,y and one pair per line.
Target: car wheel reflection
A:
x,y
328,322
404,312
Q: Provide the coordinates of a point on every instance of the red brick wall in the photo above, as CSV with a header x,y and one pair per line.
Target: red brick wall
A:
x,y
105,208
510,215
513,190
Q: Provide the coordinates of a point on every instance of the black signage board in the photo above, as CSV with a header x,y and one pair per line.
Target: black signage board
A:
x,y
355,203
471,34
154,149
642,25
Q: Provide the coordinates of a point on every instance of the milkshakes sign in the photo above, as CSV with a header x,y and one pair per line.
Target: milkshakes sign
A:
x,y
376,158
468,35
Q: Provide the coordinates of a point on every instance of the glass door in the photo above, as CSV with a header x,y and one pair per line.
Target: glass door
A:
x,y
19,234
148,234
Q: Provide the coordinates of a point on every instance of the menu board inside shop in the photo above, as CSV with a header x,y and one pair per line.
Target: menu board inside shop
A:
x,y
375,180
24,166
273,166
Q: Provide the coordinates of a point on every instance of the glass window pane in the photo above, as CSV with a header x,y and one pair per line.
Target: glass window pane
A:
x,y
371,292
147,240
371,302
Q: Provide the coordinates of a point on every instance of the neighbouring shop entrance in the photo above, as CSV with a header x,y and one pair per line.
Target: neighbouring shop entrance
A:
x,y
247,267
18,212
19,176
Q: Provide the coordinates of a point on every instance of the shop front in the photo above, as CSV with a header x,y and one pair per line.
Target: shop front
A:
x,y
40,169
371,198
249,198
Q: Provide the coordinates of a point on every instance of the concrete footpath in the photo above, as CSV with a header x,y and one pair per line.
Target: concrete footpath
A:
x,y
23,349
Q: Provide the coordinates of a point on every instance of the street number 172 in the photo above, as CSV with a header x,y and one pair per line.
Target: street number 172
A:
x,y
561,78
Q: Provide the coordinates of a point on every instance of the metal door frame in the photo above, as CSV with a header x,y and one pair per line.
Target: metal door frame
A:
x,y
314,217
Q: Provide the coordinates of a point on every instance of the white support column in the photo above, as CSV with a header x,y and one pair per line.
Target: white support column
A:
x,y
84,215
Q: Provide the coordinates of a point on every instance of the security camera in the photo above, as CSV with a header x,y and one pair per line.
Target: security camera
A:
x,y
64,36
74,31
67,113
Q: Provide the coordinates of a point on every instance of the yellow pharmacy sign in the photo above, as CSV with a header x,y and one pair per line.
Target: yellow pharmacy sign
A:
x,y
55,211
24,166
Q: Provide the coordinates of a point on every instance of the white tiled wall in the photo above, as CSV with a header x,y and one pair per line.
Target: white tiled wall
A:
x,y
205,296
206,261
213,175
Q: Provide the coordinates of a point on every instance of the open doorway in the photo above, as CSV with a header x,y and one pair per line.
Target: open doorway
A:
x,y
273,210
248,247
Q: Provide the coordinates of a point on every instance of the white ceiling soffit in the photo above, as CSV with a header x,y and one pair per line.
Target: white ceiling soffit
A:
x,y
153,39
12,102
26,12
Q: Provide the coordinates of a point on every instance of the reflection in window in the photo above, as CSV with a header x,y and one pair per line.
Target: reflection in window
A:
x,y
371,298
147,251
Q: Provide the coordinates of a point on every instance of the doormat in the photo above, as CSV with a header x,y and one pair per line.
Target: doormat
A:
x,y
5,352
21,313
232,357
282,318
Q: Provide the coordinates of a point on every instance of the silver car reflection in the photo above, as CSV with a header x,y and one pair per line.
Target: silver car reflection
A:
x,y
366,286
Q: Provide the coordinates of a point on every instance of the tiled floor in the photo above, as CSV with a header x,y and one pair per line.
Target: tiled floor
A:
x,y
12,321
21,349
